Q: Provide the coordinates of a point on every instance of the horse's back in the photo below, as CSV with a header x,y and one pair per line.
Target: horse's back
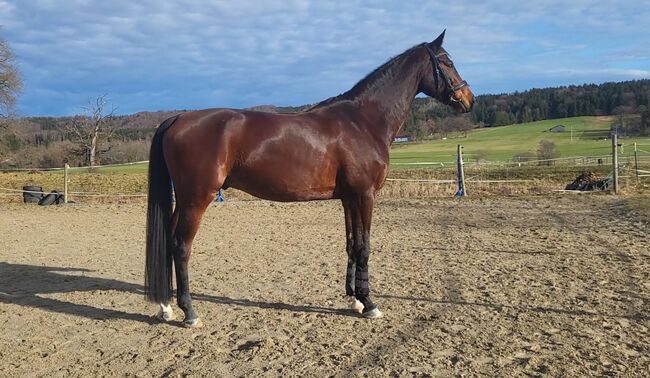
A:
x,y
284,157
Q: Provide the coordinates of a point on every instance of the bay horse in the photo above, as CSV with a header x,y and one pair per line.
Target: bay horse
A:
x,y
337,149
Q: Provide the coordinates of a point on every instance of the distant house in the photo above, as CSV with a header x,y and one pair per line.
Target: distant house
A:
x,y
619,133
401,138
557,129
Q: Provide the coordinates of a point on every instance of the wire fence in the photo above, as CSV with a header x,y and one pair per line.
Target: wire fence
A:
x,y
408,179
74,169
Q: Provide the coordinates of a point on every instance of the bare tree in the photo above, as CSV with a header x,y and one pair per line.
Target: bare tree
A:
x,y
461,124
92,129
10,81
546,152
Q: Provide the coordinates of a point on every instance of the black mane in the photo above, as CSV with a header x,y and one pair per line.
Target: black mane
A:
x,y
369,79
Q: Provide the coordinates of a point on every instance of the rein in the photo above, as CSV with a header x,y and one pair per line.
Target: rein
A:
x,y
439,74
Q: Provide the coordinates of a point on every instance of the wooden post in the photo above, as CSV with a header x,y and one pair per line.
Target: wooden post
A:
x,y
636,163
615,162
462,190
65,183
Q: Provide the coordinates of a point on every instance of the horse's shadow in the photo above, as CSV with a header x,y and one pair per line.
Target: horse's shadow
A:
x,y
31,286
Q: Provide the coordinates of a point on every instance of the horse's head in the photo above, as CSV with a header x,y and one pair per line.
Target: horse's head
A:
x,y
443,82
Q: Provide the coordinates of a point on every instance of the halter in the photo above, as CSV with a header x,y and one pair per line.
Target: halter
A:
x,y
438,73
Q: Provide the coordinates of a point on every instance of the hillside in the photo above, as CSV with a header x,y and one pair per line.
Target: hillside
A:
x,y
622,98
590,138
504,143
45,142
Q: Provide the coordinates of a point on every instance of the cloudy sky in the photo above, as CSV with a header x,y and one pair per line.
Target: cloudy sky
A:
x,y
164,55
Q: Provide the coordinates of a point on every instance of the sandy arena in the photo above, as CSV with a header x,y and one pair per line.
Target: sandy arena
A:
x,y
533,286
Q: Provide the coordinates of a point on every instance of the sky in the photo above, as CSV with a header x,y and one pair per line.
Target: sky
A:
x,y
150,55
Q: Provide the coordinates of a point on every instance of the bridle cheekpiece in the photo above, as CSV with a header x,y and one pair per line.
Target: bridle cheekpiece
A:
x,y
439,74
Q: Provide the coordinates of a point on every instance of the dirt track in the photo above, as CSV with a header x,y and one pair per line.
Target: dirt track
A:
x,y
497,287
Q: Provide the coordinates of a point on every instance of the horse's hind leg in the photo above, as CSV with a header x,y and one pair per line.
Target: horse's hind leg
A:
x,y
189,216
166,313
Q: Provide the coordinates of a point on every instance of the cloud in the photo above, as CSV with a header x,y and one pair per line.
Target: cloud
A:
x,y
151,55
588,72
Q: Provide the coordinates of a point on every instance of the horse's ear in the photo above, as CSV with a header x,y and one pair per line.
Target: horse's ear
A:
x,y
438,41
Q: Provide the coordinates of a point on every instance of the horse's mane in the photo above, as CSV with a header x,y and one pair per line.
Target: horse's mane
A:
x,y
377,74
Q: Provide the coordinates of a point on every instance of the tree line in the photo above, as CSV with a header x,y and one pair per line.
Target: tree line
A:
x,y
53,141
627,97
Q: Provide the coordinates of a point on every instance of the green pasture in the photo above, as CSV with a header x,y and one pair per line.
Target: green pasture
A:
x,y
493,144
505,142
584,136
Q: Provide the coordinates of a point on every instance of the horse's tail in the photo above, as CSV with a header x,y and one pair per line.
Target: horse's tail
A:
x,y
158,268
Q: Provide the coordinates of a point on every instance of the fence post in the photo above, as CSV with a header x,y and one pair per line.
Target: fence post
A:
x,y
636,163
462,192
615,161
65,183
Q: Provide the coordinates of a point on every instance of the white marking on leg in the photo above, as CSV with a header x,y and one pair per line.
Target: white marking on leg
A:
x,y
355,305
165,313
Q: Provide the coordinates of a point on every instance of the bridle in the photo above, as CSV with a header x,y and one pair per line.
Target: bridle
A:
x,y
439,74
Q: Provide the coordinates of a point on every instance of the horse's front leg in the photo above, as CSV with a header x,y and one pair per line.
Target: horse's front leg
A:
x,y
361,221
354,303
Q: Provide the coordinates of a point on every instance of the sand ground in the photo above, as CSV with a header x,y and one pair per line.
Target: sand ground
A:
x,y
537,286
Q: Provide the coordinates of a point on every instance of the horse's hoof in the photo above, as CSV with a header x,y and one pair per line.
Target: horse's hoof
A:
x,y
193,323
372,314
355,305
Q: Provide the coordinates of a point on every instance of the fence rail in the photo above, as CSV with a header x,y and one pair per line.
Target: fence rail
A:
x,y
435,173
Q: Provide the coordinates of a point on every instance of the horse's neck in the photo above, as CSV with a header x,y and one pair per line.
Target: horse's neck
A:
x,y
390,94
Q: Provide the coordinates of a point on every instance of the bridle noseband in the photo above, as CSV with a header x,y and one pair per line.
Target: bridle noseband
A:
x,y
438,73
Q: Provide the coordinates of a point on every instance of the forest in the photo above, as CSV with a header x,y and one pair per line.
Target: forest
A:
x,y
52,141
629,99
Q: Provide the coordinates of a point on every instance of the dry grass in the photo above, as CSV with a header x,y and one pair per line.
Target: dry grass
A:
x,y
91,184
98,187
87,187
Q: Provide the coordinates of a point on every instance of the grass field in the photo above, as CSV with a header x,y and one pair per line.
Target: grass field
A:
x,y
497,143
493,144
503,143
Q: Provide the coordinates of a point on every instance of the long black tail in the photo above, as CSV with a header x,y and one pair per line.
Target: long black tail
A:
x,y
158,269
